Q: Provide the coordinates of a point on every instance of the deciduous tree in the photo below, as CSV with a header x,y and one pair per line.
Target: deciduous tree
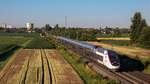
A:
x,y
145,37
137,26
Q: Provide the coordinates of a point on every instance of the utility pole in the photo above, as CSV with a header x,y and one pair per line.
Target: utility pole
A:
x,y
112,40
77,35
66,21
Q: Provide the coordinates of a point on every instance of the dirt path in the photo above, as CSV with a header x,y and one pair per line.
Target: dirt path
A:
x,y
130,51
38,66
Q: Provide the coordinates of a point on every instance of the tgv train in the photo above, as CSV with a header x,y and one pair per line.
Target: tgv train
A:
x,y
100,55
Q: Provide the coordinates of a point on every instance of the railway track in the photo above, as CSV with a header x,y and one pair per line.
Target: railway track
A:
x,y
131,77
134,77
123,77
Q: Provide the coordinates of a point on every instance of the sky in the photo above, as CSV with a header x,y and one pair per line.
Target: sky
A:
x,y
80,13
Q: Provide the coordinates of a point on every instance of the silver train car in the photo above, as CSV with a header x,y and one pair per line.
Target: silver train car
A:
x,y
100,55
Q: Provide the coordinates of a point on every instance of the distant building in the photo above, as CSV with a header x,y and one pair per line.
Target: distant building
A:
x,y
30,27
108,31
5,26
9,26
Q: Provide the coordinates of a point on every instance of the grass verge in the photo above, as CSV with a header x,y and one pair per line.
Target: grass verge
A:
x,y
87,76
147,69
146,62
4,58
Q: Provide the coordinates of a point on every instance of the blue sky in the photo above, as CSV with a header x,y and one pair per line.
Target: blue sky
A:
x,y
80,13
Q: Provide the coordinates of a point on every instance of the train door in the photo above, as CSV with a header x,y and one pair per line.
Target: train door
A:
x,y
105,59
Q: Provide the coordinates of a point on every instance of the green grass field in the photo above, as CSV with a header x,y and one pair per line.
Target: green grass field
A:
x,y
9,44
38,43
8,41
20,34
13,40
146,62
117,42
4,47
25,40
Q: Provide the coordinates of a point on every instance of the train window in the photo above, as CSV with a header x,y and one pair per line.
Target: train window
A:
x,y
99,57
100,50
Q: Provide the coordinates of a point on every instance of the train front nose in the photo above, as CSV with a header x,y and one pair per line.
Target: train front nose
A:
x,y
114,60
115,63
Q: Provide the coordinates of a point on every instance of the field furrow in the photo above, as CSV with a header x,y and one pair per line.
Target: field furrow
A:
x,y
10,73
33,69
63,73
46,69
39,66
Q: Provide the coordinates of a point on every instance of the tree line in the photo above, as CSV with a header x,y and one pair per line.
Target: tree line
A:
x,y
139,31
86,34
76,33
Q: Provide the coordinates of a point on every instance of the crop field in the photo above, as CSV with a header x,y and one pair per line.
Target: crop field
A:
x,y
8,45
114,38
9,42
39,66
38,63
24,40
127,50
38,43
116,42
4,47
5,40
20,34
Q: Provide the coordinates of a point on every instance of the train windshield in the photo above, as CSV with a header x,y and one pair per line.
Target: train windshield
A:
x,y
113,57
